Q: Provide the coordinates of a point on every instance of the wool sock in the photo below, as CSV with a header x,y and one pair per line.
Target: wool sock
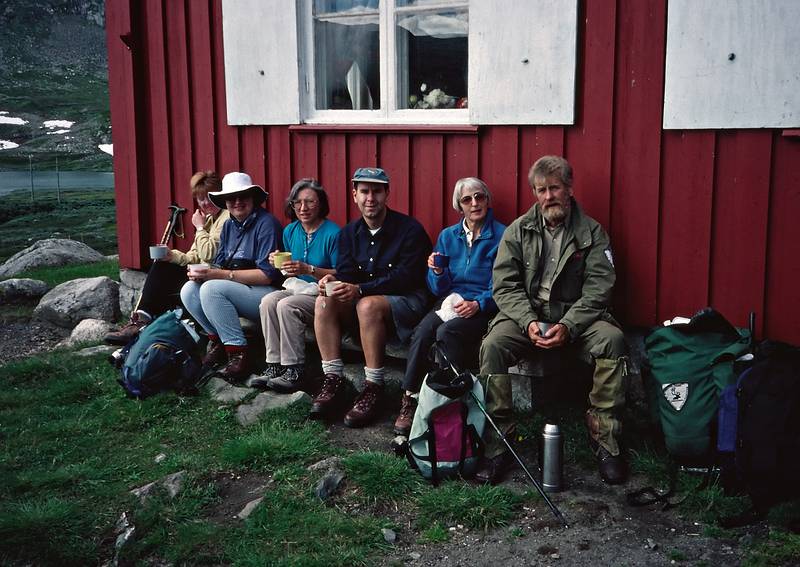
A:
x,y
335,367
375,374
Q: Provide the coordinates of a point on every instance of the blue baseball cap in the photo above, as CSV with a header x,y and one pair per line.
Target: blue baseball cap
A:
x,y
370,175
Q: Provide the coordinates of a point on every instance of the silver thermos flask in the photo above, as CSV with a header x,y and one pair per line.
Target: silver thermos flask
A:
x,y
552,458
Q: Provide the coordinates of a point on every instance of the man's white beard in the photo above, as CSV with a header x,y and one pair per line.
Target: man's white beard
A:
x,y
555,214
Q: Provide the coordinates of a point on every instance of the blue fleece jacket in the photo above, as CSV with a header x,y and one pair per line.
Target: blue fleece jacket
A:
x,y
470,270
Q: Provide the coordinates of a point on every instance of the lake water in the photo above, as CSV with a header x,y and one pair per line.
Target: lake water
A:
x,y
48,180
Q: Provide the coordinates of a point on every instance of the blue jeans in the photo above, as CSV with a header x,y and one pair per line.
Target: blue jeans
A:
x,y
218,304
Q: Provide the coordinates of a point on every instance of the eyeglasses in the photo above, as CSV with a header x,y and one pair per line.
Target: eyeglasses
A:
x,y
477,197
298,204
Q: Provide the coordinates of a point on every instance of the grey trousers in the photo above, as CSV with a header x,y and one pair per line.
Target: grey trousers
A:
x,y
284,318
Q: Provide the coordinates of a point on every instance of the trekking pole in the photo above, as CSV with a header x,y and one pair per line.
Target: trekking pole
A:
x,y
174,219
556,512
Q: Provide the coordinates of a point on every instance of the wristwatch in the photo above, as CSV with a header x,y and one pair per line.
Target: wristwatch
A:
x,y
313,269
230,275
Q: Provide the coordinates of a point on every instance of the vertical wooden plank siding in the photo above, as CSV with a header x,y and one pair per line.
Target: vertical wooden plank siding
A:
x,y
121,87
741,205
685,229
696,218
201,82
180,148
783,269
589,143
635,168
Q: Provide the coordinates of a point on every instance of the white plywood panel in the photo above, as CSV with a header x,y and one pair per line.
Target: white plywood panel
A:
x,y
261,66
732,64
522,61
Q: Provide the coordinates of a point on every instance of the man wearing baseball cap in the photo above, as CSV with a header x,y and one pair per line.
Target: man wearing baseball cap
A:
x,y
381,271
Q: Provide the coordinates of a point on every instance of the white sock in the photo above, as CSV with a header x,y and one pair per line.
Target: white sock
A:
x,y
335,367
375,374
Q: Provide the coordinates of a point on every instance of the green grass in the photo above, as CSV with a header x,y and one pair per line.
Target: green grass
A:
x,y
55,275
480,507
382,477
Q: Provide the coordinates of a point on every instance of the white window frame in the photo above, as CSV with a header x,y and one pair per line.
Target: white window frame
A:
x,y
388,113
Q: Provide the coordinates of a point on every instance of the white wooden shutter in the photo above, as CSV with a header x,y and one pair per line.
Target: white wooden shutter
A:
x,y
261,65
522,61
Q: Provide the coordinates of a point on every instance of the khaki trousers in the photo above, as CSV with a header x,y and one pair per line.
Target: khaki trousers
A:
x,y
284,319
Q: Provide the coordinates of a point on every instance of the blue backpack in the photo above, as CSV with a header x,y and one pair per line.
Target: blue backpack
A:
x,y
163,357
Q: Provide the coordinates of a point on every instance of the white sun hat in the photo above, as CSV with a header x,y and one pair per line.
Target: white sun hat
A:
x,y
236,183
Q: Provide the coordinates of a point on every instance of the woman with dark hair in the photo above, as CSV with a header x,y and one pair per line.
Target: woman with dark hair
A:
x,y
161,291
241,275
312,240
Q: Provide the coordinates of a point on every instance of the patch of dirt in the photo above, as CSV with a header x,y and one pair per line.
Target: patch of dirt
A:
x,y
235,491
20,339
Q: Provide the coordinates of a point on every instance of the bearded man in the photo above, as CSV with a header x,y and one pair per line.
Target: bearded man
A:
x,y
553,279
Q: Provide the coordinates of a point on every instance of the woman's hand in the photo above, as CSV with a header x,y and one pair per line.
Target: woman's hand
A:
x,y
466,309
437,271
198,219
296,268
271,257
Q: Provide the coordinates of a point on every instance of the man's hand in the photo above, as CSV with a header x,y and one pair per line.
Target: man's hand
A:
x,y
466,309
556,336
346,292
323,280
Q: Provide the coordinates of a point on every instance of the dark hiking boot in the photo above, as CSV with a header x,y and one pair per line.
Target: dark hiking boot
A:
x,y
332,386
366,407
612,468
238,367
492,470
290,381
402,425
261,381
124,335
215,353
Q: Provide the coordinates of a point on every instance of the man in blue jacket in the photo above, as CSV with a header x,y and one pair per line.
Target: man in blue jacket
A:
x,y
381,290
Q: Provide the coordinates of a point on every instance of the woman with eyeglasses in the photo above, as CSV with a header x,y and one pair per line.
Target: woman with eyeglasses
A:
x,y
457,322
312,240
233,286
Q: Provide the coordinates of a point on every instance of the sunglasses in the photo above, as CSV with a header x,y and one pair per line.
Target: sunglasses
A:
x,y
477,197
309,204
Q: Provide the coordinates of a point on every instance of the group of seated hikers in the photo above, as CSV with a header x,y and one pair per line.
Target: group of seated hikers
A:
x,y
487,295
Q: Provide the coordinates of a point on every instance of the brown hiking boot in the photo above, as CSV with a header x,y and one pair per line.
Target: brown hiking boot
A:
x,y
124,335
215,353
402,425
324,400
238,366
366,406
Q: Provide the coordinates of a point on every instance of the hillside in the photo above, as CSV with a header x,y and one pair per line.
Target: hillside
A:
x,y
53,85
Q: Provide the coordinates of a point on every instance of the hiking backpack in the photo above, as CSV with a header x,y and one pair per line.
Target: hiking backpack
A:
x,y
162,357
445,439
688,365
759,427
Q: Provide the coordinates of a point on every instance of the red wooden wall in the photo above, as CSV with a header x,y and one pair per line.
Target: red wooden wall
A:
x,y
696,217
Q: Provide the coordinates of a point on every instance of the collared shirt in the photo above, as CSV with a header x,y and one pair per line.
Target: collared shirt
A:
x,y
468,232
393,261
318,248
253,240
552,246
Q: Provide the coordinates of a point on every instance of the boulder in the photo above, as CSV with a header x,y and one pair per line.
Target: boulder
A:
x,y
95,350
247,414
328,484
131,284
87,331
49,252
16,289
87,298
225,393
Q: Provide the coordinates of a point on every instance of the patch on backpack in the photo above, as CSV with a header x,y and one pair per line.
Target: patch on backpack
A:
x,y
610,257
676,394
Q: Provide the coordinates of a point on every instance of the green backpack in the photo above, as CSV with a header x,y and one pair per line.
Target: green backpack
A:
x,y
689,365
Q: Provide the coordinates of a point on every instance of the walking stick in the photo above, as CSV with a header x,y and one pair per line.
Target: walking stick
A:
x,y
556,512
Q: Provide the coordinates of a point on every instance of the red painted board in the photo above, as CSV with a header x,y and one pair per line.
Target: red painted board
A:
x,y
636,160
253,158
687,186
534,142
305,159
427,182
179,116
201,85
121,84
394,156
741,205
227,137
156,118
460,160
333,174
362,151
279,179
783,270
497,161
589,142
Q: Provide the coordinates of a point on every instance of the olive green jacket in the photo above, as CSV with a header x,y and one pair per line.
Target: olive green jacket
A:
x,y
584,278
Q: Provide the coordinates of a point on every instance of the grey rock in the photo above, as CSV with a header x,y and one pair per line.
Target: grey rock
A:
x,y
325,464
249,413
328,484
49,252
87,331
16,289
414,556
650,544
144,492
174,483
131,284
248,509
99,349
389,535
159,458
223,392
86,298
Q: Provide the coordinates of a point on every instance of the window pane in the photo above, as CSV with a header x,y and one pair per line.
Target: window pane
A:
x,y
346,67
432,58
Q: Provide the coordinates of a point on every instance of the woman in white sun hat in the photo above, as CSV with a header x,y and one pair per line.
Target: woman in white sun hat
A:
x,y
239,277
